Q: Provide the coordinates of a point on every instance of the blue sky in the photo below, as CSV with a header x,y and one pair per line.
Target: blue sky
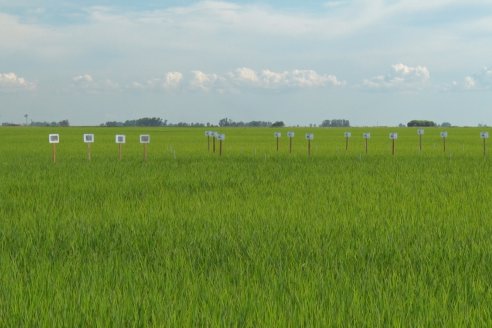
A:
x,y
369,61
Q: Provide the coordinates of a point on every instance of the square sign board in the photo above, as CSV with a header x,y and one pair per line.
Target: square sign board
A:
x,y
120,139
88,138
393,135
277,134
54,138
221,137
484,135
290,134
347,134
309,136
144,139
366,135
444,134
420,132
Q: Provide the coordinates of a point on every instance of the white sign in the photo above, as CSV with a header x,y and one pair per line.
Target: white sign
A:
x,y
347,134
277,134
420,132
88,138
120,139
221,137
366,135
484,135
393,135
144,138
290,134
54,138
444,134
215,134
309,136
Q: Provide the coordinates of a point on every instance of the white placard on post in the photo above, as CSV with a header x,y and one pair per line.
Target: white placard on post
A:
x,y
484,135
54,138
290,134
88,138
120,139
207,133
393,135
366,135
144,138
277,134
221,137
420,132
309,136
347,134
444,134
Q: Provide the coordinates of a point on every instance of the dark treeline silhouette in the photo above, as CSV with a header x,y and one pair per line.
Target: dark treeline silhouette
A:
x,y
227,122
420,123
335,123
153,121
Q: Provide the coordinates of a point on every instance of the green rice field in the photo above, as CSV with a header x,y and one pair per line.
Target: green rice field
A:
x,y
252,238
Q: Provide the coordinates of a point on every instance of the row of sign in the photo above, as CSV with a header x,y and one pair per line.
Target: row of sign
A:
x,y
54,138
392,135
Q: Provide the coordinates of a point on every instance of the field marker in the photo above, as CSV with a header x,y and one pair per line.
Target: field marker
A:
x,y
54,138
420,132
88,139
120,139
347,136
277,135
145,139
366,136
309,137
444,135
220,137
393,136
484,136
208,134
291,135
214,135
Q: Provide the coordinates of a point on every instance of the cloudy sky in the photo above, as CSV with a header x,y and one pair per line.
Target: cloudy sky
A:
x,y
370,61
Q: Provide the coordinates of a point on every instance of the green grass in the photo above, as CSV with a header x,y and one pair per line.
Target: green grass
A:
x,y
252,238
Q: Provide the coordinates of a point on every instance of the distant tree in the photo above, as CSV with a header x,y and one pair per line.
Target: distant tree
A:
x,y
64,123
446,124
335,123
421,123
278,124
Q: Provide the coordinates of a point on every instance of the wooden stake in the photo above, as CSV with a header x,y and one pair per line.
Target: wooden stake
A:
x,y
309,148
393,148
420,142
54,153
290,145
89,151
277,143
346,143
208,141
366,146
484,148
213,144
145,152
220,151
119,152
444,143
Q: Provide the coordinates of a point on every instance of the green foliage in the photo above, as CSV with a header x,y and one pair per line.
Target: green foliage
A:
x,y
421,123
335,123
252,238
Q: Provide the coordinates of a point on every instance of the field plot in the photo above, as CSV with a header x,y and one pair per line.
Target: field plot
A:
x,y
254,237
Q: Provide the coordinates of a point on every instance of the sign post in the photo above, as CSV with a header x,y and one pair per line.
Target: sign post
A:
x,y
444,135
88,139
54,138
347,136
484,136
420,132
220,137
290,134
214,135
366,136
309,137
207,134
145,139
393,136
277,136
120,139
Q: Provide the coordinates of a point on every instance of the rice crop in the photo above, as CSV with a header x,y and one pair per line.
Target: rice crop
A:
x,y
254,237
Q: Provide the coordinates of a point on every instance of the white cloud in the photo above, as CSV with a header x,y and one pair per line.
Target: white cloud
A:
x,y
268,79
204,82
87,83
11,82
173,80
401,77
479,81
